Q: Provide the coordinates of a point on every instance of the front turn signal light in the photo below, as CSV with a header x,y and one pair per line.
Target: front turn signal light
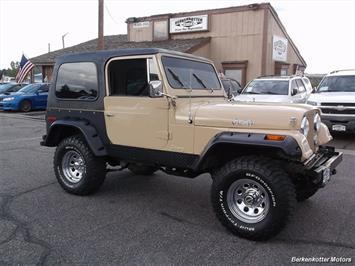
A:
x,y
275,137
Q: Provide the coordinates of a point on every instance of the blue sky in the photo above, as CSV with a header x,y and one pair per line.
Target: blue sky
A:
x,y
324,31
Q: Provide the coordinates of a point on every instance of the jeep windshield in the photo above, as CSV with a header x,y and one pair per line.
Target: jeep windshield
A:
x,y
337,84
277,87
189,74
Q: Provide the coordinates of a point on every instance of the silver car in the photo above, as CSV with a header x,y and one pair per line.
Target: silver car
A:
x,y
286,89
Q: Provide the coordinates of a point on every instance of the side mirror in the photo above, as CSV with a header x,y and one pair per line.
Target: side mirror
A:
x,y
294,91
155,89
314,89
240,91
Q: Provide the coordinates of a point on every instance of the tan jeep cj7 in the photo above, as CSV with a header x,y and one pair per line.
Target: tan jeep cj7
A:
x,y
153,109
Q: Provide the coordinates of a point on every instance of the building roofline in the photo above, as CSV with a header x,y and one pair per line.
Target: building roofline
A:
x,y
231,9
197,12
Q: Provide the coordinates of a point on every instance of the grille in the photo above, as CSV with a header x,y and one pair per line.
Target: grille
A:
x,y
338,112
337,104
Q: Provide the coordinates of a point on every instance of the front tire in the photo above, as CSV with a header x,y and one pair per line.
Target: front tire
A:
x,y
25,106
252,197
77,169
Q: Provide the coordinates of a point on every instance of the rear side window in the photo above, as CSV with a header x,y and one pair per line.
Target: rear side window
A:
x,y
77,81
301,87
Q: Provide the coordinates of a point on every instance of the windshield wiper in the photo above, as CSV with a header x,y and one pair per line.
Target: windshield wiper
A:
x,y
201,82
176,77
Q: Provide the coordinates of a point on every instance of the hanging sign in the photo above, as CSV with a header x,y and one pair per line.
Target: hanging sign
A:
x,y
279,48
189,24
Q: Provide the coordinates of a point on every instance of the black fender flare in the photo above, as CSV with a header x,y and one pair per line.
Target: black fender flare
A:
x,y
288,147
91,135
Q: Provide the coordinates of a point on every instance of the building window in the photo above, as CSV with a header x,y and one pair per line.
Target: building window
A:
x,y
77,81
236,70
161,30
281,69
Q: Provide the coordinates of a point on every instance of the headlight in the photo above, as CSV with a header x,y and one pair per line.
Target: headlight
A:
x,y
8,99
317,122
315,139
305,126
312,103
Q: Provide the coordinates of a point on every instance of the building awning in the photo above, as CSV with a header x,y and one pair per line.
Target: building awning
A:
x,y
113,42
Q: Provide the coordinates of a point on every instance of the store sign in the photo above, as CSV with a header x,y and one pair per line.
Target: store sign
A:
x,y
279,48
142,24
189,24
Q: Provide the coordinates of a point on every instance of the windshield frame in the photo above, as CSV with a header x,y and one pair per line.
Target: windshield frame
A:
x,y
175,89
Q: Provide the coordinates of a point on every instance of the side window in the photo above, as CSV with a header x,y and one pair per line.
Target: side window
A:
x,y
77,81
301,87
294,87
153,70
129,77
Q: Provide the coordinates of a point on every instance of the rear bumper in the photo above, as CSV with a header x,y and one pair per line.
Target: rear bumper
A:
x,y
323,164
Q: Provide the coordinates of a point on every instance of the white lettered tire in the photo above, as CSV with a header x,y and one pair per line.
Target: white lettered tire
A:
x,y
77,169
253,197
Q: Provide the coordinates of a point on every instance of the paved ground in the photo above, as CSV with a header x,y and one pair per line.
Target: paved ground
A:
x,y
159,220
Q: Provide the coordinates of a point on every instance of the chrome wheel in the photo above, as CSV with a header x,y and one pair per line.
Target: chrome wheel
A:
x,y
248,200
73,166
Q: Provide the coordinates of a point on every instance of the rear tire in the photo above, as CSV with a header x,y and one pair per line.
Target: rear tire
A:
x,y
77,169
140,169
253,197
25,106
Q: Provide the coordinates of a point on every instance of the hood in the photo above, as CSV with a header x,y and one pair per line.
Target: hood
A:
x,y
263,98
244,115
332,97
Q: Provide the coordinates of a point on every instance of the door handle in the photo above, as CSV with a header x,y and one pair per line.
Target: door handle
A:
x,y
110,114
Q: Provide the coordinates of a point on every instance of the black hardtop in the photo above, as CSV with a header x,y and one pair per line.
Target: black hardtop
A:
x,y
108,54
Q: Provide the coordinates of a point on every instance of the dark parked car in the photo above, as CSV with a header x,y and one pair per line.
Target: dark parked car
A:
x,y
9,88
31,97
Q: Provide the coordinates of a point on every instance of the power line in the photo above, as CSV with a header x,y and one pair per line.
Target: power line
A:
x,y
109,13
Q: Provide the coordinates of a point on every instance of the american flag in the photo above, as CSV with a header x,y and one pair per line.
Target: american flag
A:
x,y
24,68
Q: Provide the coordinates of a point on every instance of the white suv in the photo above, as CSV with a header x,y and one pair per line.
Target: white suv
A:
x,y
335,96
285,89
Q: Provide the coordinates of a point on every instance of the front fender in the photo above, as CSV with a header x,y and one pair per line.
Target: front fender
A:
x,y
248,143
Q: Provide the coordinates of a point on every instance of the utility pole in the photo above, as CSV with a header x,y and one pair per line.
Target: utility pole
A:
x,y
101,44
63,36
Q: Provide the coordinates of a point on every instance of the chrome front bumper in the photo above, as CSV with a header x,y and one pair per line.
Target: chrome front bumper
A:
x,y
324,164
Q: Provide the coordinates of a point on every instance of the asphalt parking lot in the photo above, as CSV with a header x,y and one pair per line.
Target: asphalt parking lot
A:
x,y
157,220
